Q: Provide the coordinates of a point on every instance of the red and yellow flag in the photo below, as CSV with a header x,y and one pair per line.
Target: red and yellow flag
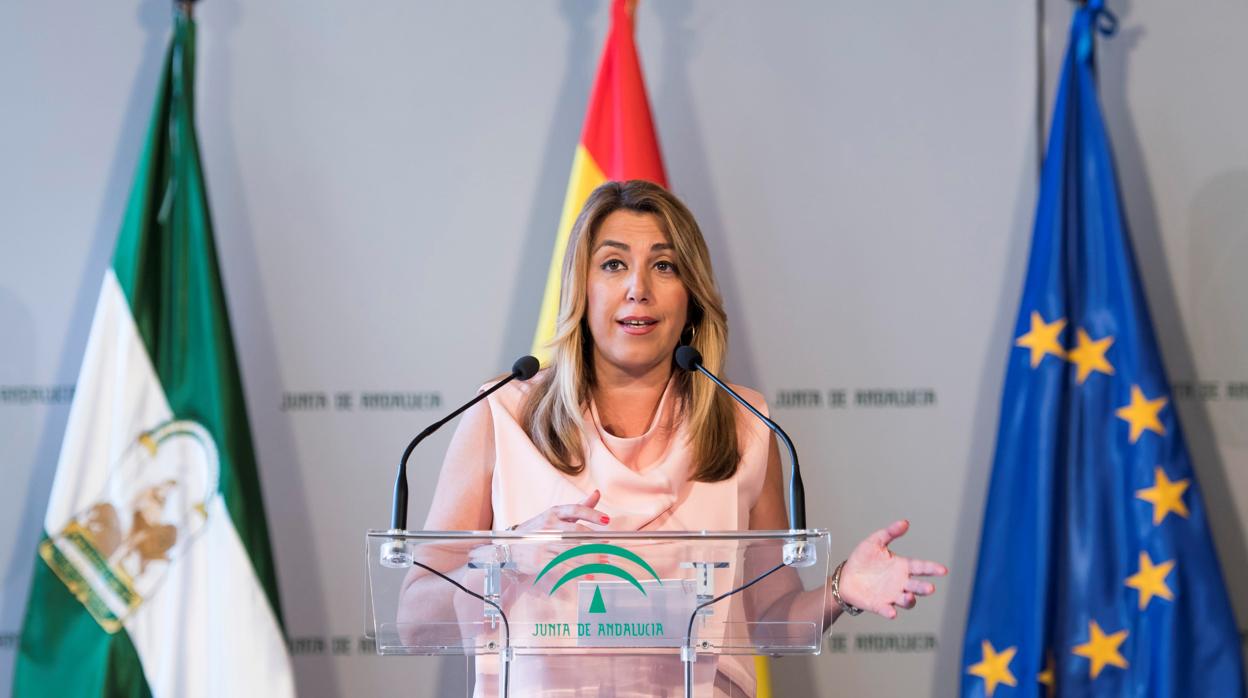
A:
x,y
617,142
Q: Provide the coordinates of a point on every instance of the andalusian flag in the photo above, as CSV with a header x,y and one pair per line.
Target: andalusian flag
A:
x,y
155,575
618,142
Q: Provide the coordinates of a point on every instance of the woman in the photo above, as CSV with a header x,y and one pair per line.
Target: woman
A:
x,y
612,436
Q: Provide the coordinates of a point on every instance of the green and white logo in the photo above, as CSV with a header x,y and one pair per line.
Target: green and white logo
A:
x,y
602,549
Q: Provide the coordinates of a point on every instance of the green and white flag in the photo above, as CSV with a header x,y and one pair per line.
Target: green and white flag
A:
x,y
155,575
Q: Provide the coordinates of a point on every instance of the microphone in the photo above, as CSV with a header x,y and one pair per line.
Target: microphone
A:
x,y
524,368
800,555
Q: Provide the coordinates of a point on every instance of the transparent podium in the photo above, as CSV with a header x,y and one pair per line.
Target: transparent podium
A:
x,y
599,613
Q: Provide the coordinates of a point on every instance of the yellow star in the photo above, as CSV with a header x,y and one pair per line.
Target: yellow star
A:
x,y
1048,677
1089,355
994,668
1142,413
1102,649
1042,339
1151,580
1166,495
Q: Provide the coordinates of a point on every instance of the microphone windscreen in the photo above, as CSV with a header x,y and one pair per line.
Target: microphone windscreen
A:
x,y
525,367
688,358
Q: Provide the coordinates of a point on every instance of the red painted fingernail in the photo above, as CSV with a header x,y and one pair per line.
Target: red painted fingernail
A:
x,y
606,519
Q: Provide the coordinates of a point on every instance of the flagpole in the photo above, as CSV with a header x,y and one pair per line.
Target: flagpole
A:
x,y
1040,87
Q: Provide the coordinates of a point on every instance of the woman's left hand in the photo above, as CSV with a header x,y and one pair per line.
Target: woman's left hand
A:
x,y
877,580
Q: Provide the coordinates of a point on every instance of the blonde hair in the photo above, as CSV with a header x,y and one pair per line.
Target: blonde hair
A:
x,y
552,414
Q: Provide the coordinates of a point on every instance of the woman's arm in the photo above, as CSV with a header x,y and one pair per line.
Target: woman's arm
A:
x,y
873,579
461,499
780,596
461,502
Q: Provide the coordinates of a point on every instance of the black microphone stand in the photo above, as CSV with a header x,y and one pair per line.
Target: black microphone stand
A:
x,y
524,369
690,359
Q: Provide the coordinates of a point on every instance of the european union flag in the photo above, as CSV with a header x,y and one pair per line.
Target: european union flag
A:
x,y
1097,574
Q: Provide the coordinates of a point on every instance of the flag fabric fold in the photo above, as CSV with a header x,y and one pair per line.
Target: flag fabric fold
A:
x,y
155,575
1097,574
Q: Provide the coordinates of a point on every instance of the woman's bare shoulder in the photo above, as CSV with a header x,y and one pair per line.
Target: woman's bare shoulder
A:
x,y
511,397
752,396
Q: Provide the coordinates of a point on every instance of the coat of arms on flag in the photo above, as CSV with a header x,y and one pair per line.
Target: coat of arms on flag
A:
x,y
115,553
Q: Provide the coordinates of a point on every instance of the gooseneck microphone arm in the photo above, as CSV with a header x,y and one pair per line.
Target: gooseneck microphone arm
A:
x,y
690,359
524,368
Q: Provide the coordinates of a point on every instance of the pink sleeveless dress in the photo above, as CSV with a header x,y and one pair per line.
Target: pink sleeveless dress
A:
x,y
645,486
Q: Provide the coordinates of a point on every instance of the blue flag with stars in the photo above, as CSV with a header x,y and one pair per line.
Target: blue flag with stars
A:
x,y
1097,574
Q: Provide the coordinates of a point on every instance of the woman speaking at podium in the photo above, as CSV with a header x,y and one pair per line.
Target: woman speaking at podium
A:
x,y
613,436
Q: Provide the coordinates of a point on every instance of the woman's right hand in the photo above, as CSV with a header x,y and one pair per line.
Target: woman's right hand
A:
x,y
567,517
531,557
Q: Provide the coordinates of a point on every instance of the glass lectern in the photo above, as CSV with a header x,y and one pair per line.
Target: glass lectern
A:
x,y
634,613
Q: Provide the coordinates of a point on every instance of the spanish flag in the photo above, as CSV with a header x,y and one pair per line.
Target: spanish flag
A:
x,y
618,142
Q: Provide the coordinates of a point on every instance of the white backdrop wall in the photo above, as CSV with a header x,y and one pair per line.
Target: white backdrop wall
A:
x,y
386,178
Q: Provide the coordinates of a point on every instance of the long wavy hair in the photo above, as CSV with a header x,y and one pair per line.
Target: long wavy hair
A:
x,y
552,414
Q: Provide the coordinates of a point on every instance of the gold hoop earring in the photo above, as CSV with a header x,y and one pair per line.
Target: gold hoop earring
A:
x,y
692,331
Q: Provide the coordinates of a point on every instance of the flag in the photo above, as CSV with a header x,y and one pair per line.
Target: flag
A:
x,y
154,576
1097,575
618,142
